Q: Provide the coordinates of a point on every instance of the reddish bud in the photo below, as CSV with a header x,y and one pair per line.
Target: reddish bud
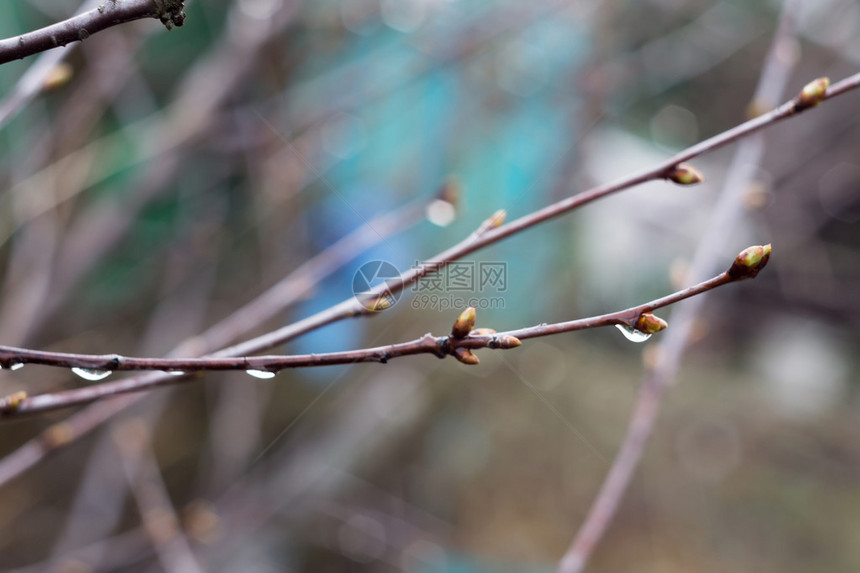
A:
x,y
750,261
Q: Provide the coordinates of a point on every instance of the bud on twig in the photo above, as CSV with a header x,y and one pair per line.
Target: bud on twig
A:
x,y
12,401
812,94
648,323
684,174
506,341
464,323
495,221
466,356
750,261
383,302
483,332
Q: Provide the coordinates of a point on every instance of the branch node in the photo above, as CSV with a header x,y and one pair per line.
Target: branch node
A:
x,y
171,12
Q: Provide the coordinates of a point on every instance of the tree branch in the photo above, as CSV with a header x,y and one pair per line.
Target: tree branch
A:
x,y
64,432
460,343
80,27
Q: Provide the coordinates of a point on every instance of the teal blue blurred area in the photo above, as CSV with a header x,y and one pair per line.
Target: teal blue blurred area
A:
x,y
501,122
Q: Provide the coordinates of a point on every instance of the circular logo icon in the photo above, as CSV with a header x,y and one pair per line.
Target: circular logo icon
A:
x,y
371,275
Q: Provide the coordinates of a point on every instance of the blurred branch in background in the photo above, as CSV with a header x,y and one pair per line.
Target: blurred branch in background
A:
x,y
728,212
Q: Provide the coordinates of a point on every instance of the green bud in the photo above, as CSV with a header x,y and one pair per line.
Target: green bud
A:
x,y
684,174
12,401
464,323
812,94
750,261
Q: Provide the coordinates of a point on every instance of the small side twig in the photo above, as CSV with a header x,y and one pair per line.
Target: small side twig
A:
x,y
80,27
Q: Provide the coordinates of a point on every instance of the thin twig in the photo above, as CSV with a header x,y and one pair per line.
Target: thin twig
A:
x,y
79,28
68,431
157,513
440,346
351,307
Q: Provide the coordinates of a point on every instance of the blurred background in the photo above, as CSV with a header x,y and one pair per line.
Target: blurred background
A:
x,y
163,180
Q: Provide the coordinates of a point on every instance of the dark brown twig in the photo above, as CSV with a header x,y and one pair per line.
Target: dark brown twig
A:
x,y
80,27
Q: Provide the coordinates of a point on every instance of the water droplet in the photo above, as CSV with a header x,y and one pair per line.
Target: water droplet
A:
x,y
261,374
632,334
16,366
175,372
90,374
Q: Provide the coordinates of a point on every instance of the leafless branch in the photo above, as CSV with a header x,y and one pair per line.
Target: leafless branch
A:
x,y
64,432
441,346
80,27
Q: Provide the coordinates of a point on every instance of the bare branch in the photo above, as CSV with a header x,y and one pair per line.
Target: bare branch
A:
x,y
459,344
64,432
79,28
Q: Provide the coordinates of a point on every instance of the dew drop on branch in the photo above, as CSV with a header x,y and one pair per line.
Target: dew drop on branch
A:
x,y
16,366
90,374
261,374
632,334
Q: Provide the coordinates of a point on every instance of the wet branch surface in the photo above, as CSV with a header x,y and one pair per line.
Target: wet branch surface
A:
x,y
67,431
440,346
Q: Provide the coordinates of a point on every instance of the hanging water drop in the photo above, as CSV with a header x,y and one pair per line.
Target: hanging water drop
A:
x,y
90,374
632,334
261,374
16,366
